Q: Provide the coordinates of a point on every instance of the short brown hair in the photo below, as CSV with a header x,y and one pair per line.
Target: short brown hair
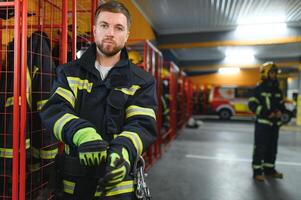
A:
x,y
114,7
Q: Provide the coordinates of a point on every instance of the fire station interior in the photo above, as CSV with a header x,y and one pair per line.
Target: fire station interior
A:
x,y
206,57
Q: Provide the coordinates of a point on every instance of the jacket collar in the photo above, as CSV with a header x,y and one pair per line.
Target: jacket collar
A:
x,y
119,76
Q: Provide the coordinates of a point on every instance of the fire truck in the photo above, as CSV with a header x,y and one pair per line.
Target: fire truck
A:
x,y
229,101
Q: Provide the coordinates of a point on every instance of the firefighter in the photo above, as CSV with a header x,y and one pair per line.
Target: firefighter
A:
x,y
103,109
267,104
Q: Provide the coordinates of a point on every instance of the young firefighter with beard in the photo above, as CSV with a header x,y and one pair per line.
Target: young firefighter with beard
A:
x,y
103,109
267,104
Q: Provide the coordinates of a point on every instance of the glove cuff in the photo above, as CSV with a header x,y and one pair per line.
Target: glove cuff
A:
x,y
85,135
120,142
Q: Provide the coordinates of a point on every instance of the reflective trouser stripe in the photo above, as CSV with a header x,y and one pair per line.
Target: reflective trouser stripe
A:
x,y
257,166
137,110
60,123
44,154
134,137
68,187
129,91
120,188
8,152
270,165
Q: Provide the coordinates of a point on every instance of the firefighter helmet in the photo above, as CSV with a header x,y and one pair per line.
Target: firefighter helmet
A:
x,y
266,68
135,57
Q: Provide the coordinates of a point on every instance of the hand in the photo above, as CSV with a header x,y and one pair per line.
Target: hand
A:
x,y
118,166
278,114
93,153
92,150
272,115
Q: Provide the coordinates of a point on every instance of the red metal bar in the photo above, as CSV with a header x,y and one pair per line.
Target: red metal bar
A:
x,y
23,101
33,26
7,4
15,173
74,29
53,4
64,35
94,6
158,150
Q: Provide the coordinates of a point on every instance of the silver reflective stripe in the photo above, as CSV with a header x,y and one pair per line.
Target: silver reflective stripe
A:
x,y
271,165
267,99
67,95
258,110
40,104
129,91
68,187
257,166
253,99
6,153
137,110
120,188
264,121
76,83
60,123
135,139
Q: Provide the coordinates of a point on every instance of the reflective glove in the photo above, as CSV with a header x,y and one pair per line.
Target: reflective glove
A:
x,y
92,149
118,166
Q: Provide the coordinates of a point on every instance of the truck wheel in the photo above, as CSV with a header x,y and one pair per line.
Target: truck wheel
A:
x,y
225,114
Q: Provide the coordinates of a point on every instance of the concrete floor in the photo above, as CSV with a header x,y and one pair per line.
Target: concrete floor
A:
x,y
213,162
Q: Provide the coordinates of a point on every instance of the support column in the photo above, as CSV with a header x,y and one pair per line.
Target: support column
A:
x,y
298,120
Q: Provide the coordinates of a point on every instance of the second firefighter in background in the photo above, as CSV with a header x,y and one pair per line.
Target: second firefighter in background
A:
x,y
267,104
103,109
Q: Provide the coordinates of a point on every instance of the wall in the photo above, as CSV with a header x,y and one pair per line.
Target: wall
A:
x,y
140,29
246,77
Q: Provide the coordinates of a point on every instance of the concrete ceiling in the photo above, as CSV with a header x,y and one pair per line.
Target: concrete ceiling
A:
x,y
199,34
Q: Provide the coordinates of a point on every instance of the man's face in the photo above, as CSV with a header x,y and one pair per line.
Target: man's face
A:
x,y
273,74
110,32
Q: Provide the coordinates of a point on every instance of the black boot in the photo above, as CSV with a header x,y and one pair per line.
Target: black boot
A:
x,y
272,172
258,175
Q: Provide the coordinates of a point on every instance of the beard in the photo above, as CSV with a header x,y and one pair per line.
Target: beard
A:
x,y
109,52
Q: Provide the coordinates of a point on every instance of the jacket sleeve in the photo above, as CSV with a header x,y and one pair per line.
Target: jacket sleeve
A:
x,y
257,106
58,114
139,130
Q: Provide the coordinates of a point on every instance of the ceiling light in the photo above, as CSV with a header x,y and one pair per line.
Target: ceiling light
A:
x,y
229,70
238,56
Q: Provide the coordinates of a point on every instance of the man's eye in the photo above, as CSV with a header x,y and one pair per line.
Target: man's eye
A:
x,y
103,25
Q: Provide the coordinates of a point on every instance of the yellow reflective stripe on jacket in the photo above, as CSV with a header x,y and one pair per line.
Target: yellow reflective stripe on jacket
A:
x,y
253,99
137,110
258,110
129,91
44,154
66,94
10,101
40,104
120,188
267,99
8,152
265,121
76,83
60,123
68,186
271,165
134,137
